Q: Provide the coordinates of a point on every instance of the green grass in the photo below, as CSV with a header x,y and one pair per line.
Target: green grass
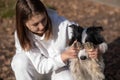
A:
x,y
7,8
51,7
48,5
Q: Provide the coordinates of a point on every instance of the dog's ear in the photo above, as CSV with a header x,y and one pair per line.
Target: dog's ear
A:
x,y
76,35
77,30
76,27
73,26
99,28
92,29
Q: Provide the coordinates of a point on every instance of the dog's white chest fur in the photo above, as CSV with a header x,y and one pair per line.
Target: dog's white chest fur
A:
x,y
87,70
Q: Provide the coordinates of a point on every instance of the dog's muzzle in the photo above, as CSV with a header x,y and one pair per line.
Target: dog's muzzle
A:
x,y
83,57
82,54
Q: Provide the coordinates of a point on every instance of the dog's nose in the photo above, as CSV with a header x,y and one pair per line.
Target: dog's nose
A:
x,y
83,57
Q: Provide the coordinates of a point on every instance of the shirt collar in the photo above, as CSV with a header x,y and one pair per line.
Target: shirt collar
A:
x,y
39,37
36,37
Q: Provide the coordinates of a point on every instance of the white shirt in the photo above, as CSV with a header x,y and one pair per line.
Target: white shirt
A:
x,y
46,56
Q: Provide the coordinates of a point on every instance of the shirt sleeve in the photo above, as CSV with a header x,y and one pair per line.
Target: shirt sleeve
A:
x,y
41,63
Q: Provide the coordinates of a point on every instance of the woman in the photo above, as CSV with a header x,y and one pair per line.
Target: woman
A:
x,y
41,39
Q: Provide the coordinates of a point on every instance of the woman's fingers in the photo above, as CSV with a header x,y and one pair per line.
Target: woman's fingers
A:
x,y
73,55
74,43
75,46
93,53
73,52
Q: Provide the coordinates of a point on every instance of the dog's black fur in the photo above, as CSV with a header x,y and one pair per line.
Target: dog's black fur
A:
x,y
93,34
83,67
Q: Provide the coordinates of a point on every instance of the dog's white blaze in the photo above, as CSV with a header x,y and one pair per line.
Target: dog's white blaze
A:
x,y
84,35
82,53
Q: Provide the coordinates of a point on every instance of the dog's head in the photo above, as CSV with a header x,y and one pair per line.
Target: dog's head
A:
x,y
88,38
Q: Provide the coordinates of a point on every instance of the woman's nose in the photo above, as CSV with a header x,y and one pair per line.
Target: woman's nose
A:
x,y
41,26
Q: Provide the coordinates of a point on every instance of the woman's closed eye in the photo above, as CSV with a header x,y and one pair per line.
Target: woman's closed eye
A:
x,y
43,21
36,24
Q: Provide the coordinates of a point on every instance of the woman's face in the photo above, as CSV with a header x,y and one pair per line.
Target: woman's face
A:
x,y
37,24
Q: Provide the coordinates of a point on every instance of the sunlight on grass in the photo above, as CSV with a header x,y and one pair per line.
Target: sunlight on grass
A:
x,y
48,5
7,8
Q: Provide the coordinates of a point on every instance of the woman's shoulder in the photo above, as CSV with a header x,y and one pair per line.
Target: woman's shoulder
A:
x,y
51,11
58,22
55,17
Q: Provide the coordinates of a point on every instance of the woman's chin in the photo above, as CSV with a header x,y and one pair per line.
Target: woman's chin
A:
x,y
40,33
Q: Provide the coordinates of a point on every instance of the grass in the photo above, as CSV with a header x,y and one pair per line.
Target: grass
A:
x,y
7,8
48,5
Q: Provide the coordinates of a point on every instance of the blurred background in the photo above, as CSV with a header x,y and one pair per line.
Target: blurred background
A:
x,y
105,13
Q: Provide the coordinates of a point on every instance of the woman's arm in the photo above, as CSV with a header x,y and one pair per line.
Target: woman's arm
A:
x,y
42,63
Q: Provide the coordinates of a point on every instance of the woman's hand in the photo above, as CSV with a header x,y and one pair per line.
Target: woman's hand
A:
x,y
70,52
93,53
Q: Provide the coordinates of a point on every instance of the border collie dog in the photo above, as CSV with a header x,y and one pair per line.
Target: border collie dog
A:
x,y
84,67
